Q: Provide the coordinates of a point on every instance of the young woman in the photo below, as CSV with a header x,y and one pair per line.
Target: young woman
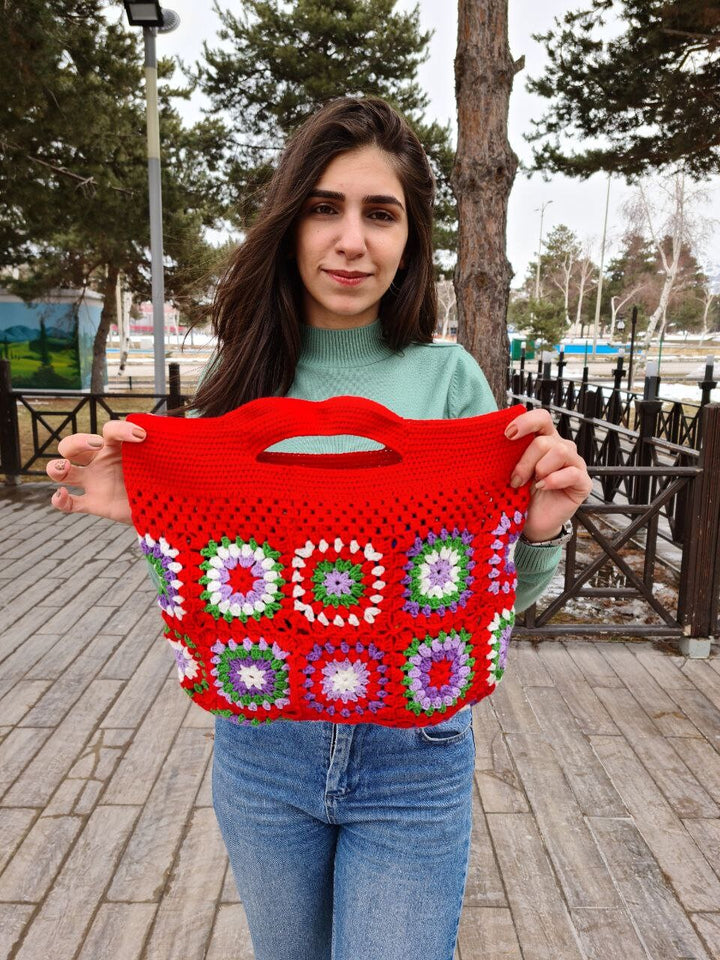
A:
x,y
346,841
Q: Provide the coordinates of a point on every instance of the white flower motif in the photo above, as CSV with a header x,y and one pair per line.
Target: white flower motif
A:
x,y
164,570
187,666
304,597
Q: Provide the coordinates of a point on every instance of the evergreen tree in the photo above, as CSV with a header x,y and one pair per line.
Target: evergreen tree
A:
x,y
566,278
43,347
75,209
281,63
646,97
542,320
632,279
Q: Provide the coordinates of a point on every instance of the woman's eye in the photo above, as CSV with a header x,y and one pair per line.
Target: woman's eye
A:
x,y
382,215
322,208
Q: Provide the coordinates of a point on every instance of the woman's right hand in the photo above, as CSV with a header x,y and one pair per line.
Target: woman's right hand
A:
x,y
94,463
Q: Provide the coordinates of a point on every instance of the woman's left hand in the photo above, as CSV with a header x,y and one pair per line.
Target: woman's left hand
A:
x,y
561,481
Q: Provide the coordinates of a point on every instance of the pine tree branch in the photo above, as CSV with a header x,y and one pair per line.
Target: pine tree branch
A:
x,y
83,181
712,38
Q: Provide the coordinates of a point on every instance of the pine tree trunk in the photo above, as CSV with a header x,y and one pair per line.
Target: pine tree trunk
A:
x,y
482,178
107,318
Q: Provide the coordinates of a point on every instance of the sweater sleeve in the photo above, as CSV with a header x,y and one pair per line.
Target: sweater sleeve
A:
x,y
470,396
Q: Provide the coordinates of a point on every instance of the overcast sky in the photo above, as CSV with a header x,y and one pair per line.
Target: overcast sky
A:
x,y
579,204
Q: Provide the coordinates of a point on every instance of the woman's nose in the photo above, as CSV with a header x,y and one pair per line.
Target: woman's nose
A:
x,y
351,238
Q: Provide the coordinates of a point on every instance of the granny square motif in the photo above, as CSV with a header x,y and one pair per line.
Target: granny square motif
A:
x,y
362,587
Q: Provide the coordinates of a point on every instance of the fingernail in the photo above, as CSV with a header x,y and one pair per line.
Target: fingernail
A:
x,y
60,466
511,431
139,433
95,442
540,484
516,480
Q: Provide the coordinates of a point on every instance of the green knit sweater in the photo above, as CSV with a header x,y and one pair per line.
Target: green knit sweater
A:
x,y
423,381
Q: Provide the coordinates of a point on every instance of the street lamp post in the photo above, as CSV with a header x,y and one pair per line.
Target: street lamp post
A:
x,y
153,19
633,325
596,324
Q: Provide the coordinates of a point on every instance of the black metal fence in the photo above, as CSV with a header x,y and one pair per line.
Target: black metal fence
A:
x,y
26,452
678,422
655,503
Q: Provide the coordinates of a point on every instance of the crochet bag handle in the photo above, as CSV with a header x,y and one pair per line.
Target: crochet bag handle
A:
x,y
269,420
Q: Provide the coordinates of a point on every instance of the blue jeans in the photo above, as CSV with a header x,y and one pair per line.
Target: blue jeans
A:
x,y
347,842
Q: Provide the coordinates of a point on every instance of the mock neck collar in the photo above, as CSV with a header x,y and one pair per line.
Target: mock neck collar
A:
x,y
356,347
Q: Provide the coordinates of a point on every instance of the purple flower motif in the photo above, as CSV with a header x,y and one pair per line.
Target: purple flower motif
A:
x,y
342,683
164,572
502,526
438,670
251,673
506,537
438,569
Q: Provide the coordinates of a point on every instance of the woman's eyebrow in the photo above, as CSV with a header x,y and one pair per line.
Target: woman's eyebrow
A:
x,y
387,198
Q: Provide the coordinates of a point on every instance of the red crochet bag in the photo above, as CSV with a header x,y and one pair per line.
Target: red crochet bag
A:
x,y
362,587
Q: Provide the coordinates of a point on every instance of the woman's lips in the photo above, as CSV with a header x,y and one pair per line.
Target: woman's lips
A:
x,y
347,279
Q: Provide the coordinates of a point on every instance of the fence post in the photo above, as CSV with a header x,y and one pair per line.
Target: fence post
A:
x,y
618,372
707,385
585,436
700,571
517,385
559,380
10,460
646,416
175,396
546,384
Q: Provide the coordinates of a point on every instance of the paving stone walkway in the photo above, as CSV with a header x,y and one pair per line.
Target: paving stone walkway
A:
x,y
596,825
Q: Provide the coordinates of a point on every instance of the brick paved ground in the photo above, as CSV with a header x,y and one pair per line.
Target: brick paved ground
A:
x,y
597,827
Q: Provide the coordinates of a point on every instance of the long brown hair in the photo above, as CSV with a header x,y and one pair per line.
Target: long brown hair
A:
x,y
256,312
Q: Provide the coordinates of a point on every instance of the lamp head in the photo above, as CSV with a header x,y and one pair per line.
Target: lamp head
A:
x,y
146,14
149,13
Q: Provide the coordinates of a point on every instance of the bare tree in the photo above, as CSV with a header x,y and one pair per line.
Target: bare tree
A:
x,y
667,210
617,303
482,178
585,273
707,301
446,304
562,281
